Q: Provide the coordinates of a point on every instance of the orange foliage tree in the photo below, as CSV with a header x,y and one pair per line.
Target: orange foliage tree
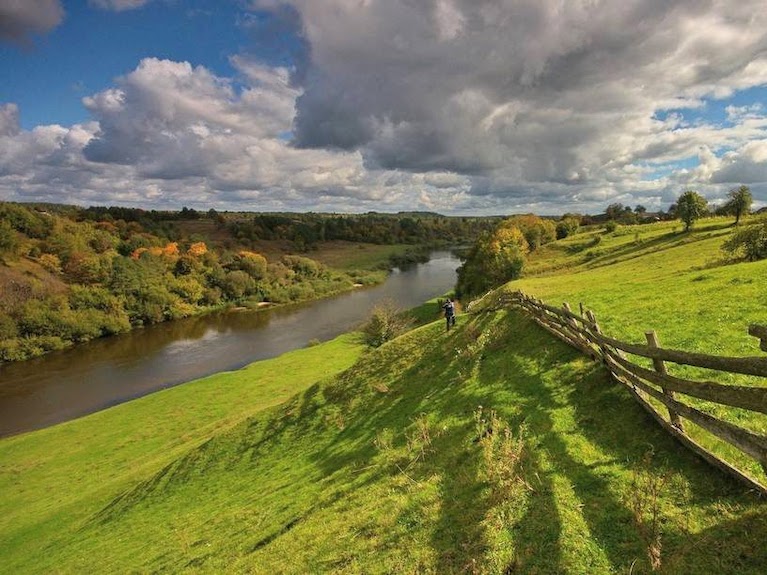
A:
x,y
198,249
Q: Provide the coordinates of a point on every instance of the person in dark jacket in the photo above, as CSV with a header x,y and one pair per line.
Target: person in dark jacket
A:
x,y
449,308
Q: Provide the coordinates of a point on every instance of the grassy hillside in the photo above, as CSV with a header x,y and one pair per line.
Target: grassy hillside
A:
x,y
489,449
657,277
53,479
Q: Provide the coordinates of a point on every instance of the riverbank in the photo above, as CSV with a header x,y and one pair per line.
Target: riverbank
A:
x,y
107,371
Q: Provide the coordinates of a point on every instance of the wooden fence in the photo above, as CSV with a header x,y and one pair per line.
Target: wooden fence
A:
x,y
581,330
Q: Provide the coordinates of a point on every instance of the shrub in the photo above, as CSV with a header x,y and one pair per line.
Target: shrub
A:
x,y
611,226
750,242
567,226
51,262
386,322
238,284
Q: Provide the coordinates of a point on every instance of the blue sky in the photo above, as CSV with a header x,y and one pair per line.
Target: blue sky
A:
x,y
455,106
92,46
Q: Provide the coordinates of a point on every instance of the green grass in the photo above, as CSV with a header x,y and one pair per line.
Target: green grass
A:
x,y
391,467
491,449
677,284
356,256
53,477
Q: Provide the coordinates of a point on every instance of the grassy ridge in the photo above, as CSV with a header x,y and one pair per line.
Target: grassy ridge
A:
x,y
654,277
403,464
672,282
51,479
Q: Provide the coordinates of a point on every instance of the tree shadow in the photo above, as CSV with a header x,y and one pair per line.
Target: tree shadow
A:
x,y
608,418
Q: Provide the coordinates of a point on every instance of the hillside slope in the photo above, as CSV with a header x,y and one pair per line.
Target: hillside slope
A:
x,y
491,449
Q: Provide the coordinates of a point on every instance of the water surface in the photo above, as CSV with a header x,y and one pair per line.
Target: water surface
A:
x,y
89,377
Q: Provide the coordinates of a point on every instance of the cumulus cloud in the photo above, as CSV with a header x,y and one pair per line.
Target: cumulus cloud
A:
x,y
528,92
485,106
21,18
169,134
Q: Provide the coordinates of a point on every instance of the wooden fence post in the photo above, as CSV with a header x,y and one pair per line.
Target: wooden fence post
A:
x,y
759,331
597,330
660,367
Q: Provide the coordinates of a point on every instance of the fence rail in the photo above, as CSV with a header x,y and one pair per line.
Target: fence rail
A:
x,y
581,331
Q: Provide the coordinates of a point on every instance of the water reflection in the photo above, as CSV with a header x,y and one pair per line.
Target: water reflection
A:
x,y
70,383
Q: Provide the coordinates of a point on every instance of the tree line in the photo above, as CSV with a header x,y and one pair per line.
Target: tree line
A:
x,y
71,275
306,231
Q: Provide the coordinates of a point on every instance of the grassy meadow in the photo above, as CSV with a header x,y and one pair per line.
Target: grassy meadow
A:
x,y
489,449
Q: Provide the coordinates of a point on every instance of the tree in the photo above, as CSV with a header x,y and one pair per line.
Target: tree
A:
x,y
494,259
614,211
640,209
739,203
750,241
567,226
689,207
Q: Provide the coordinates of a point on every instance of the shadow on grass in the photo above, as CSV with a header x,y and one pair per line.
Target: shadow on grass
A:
x,y
660,243
530,379
604,415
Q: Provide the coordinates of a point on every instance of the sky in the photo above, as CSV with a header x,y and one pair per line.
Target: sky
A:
x,y
462,107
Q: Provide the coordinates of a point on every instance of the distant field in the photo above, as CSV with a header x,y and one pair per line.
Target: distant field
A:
x,y
355,256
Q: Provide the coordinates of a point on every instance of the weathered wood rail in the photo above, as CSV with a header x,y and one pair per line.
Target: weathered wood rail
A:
x,y
581,331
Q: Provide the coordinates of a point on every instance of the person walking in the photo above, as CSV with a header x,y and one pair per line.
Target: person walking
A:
x,y
449,308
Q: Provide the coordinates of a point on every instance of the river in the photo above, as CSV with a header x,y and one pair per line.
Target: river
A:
x,y
64,385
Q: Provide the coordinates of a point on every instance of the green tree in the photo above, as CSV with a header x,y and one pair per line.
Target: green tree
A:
x,y
614,211
739,202
750,242
689,207
567,226
494,259
386,322
8,240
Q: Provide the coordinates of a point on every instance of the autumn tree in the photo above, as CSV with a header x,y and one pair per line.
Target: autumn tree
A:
x,y
689,207
494,259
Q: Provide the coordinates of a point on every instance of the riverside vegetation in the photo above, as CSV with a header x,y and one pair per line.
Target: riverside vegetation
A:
x,y
492,449
68,275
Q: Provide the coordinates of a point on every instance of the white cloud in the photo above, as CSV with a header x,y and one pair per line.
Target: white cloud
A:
x,y
527,95
174,134
20,18
459,105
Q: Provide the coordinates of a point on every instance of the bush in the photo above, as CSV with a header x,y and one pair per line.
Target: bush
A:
x,y
386,322
750,242
611,226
